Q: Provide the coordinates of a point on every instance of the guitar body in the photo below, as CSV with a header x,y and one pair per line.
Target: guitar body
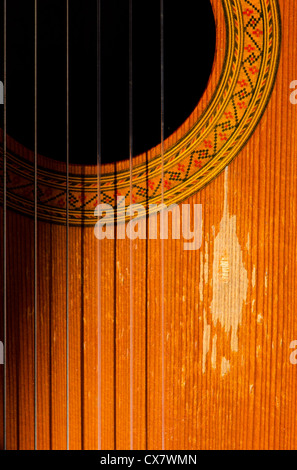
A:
x,y
199,356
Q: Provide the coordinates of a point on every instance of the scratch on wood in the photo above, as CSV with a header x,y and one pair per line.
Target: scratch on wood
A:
x,y
254,277
225,366
266,282
214,352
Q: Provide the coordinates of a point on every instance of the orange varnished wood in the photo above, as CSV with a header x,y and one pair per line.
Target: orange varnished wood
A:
x,y
217,395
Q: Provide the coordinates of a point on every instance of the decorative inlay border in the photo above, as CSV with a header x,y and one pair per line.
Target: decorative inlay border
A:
x,y
252,57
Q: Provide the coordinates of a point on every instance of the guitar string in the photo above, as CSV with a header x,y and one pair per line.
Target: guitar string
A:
x,y
131,202
67,223
99,311
35,228
162,221
4,238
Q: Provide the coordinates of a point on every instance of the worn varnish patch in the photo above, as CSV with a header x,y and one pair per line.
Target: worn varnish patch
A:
x,y
214,352
230,279
225,366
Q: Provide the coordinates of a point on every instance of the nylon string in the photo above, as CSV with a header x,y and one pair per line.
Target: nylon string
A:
x,y
131,202
161,224
4,239
35,232
67,226
99,314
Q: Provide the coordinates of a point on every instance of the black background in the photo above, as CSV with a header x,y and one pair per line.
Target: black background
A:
x,y
189,37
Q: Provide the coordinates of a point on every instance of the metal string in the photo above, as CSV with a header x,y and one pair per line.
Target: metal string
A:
x,y
131,202
4,239
35,231
161,228
98,202
67,225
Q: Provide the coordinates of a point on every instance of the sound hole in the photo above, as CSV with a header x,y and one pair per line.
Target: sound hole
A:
x,y
189,52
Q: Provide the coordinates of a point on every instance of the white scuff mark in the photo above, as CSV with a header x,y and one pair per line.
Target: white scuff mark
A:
x,y
121,276
230,279
214,352
266,282
225,366
254,277
224,268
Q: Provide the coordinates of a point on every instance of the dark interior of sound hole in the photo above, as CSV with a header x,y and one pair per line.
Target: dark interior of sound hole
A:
x,y
189,40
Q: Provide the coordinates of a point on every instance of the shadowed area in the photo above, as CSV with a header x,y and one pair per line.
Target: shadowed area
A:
x,y
189,38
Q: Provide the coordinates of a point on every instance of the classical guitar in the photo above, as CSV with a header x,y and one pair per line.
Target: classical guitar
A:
x,y
148,224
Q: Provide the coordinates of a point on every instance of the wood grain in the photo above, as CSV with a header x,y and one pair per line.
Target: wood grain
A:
x,y
230,310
